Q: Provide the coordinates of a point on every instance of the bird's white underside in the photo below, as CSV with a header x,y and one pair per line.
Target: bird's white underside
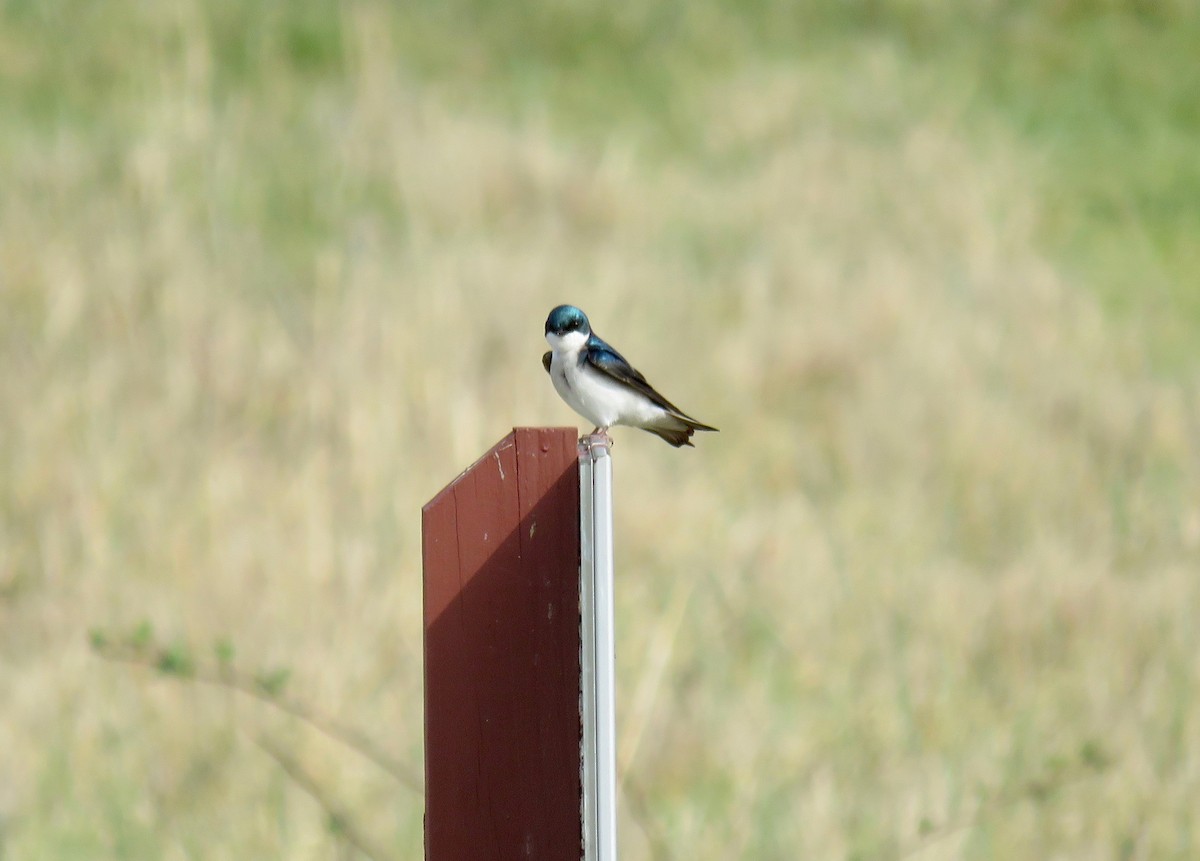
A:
x,y
596,396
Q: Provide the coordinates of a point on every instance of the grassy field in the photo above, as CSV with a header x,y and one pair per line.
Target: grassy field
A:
x,y
271,274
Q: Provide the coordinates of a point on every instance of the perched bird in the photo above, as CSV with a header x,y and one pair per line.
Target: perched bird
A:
x,y
597,382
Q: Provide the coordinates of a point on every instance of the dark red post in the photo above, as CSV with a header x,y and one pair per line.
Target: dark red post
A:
x,y
502,725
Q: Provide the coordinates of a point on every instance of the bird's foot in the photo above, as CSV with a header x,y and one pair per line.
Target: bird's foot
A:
x,y
601,434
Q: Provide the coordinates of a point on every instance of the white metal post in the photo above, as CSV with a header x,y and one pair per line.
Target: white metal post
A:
x,y
598,661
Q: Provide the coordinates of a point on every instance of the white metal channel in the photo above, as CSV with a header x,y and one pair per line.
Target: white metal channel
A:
x,y
598,660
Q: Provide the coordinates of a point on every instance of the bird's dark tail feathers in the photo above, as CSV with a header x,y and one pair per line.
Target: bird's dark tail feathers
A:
x,y
681,436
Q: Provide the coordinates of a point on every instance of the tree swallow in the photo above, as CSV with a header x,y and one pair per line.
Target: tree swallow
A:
x,y
597,382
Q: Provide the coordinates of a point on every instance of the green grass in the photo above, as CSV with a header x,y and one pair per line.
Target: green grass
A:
x,y
271,274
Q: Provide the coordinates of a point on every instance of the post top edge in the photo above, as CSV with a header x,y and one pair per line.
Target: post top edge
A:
x,y
508,441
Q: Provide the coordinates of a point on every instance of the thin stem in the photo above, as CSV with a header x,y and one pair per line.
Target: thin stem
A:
x,y
229,678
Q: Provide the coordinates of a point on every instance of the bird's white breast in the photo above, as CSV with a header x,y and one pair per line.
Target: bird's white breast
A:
x,y
596,396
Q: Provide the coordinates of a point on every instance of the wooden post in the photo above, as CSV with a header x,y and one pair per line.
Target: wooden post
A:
x,y
502,645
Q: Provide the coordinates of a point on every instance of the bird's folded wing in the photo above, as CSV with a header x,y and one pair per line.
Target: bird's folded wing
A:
x,y
608,361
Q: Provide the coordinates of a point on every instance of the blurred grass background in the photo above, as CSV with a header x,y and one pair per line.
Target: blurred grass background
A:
x,y
272,273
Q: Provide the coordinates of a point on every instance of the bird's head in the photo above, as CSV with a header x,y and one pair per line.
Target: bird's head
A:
x,y
567,328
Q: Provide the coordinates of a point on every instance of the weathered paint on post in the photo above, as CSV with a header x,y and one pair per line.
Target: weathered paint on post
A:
x,y
502,643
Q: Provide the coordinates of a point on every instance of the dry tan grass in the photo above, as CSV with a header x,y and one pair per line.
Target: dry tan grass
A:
x,y
943,549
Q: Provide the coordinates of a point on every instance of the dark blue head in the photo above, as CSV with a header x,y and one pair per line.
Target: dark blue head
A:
x,y
566,319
